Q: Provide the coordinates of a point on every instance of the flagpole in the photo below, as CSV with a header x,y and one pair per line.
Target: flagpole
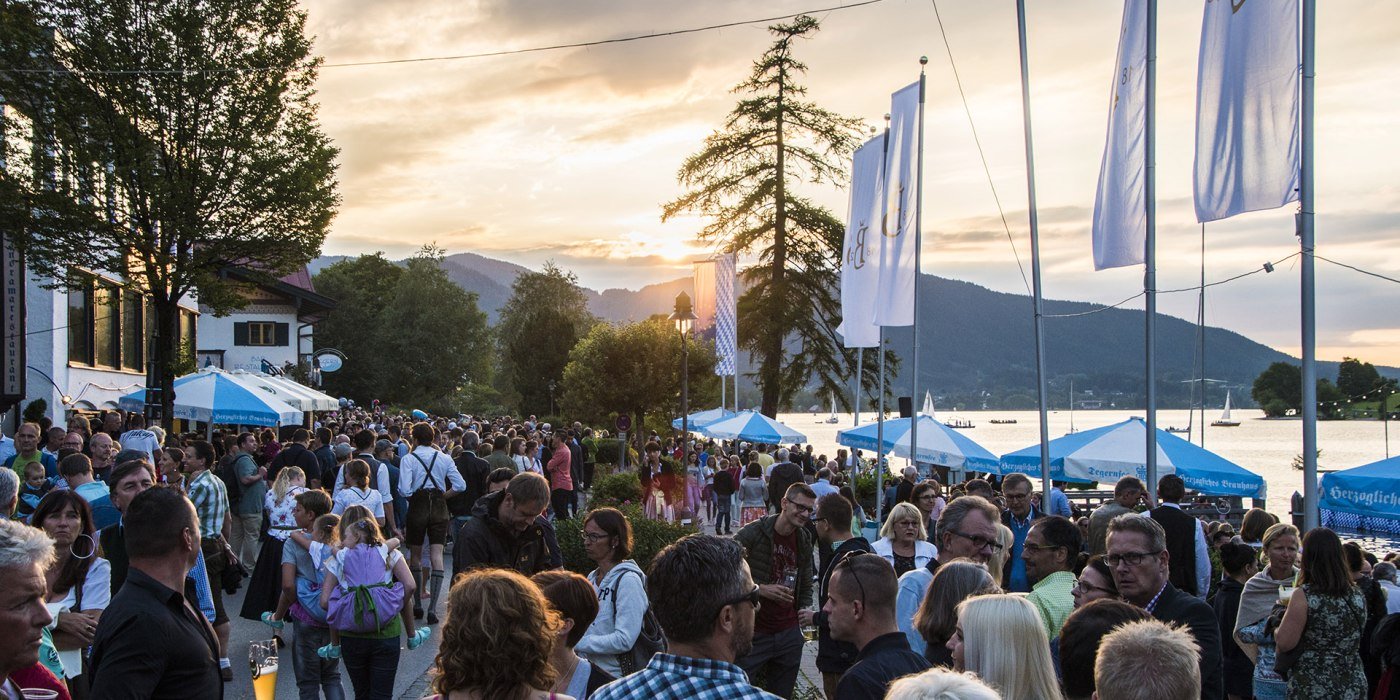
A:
x,y
1149,277
1035,263
918,271
860,369
880,417
1305,235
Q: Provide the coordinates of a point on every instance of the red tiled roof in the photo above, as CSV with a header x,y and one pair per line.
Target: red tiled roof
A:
x,y
301,278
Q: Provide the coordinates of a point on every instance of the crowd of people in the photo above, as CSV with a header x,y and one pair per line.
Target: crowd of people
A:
x,y
123,543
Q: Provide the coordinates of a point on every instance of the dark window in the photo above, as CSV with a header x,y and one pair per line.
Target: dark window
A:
x,y
106,326
133,332
80,324
261,334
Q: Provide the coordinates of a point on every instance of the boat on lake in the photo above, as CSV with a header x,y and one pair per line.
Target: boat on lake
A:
x,y
1225,421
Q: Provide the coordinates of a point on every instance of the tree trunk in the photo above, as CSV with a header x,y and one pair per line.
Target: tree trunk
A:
x,y
772,367
165,348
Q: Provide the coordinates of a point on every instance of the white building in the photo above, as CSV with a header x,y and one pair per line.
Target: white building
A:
x,y
273,331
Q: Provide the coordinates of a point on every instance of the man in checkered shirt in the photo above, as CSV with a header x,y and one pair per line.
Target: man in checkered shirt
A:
x,y
705,599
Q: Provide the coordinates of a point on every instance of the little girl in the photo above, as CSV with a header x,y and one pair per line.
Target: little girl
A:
x,y
323,535
368,595
357,491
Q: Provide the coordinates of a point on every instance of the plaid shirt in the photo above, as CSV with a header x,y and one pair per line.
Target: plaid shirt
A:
x,y
210,499
671,677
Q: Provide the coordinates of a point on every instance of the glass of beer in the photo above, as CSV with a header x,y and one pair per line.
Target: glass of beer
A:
x,y
262,661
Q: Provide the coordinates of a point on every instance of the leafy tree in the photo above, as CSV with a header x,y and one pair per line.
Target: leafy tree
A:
x,y
742,180
1278,389
411,336
635,369
546,315
1355,378
170,140
360,287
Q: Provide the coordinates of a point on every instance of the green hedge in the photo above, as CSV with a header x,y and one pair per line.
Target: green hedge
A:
x,y
617,490
648,538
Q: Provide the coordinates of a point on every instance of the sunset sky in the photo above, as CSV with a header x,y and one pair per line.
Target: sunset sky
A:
x,y
568,155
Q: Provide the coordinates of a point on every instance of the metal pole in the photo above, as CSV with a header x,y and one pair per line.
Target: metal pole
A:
x,y
1035,263
860,369
1305,234
1149,278
1201,327
918,272
880,417
685,404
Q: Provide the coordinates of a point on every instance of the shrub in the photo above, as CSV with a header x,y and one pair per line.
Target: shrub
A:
x,y
615,490
648,538
610,451
38,408
864,487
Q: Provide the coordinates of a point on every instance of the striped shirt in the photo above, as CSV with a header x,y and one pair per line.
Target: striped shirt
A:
x,y
210,499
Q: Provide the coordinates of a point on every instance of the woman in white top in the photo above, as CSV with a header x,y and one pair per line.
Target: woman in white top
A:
x,y
621,586
903,540
79,581
265,586
357,492
523,462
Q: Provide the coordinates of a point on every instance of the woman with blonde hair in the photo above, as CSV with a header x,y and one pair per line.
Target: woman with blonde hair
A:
x,y
904,540
498,640
265,587
937,617
1001,639
940,684
1252,629
997,562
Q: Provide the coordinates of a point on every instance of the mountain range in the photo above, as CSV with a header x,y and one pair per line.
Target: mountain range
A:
x,y
977,345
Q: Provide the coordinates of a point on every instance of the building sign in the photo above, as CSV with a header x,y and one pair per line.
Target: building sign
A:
x,y
12,371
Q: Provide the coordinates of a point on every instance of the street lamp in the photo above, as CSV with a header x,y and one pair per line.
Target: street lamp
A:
x,y
684,317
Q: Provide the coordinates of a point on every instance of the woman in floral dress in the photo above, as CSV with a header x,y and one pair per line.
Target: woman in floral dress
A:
x,y
1325,616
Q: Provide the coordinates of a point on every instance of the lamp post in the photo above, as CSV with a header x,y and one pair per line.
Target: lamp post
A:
x,y
683,317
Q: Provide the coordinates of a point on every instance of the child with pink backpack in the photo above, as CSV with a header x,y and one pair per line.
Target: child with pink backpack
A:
x,y
367,595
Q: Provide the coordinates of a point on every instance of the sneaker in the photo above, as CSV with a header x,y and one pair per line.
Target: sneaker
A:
x,y
272,622
417,612
227,674
329,651
419,637
432,617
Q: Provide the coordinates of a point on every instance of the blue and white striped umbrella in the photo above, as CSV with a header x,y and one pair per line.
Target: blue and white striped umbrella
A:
x,y
938,444
1114,451
213,396
704,418
1363,498
754,427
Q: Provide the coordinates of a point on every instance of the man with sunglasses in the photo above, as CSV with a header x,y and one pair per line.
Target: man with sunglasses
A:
x,y
1138,557
779,553
708,626
833,525
861,611
966,530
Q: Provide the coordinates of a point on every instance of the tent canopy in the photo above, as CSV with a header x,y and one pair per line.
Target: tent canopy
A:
x,y
1363,498
300,397
701,419
1114,451
213,396
938,444
754,427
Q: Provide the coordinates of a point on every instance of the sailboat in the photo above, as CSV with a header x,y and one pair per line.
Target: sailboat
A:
x,y
832,418
1225,421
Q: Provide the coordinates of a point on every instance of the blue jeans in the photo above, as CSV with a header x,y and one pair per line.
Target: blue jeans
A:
x,y
314,674
371,665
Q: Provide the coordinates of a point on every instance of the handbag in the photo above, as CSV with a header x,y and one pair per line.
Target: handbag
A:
x,y
650,639
231,578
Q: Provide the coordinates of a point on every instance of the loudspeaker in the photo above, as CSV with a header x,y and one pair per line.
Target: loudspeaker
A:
x,y
906,407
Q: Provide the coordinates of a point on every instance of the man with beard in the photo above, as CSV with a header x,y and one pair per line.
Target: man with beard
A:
x,y
707,629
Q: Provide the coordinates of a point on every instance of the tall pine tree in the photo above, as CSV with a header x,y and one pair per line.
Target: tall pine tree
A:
x,y
742,181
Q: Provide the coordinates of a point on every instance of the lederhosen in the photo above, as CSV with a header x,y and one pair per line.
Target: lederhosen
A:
x,y
427,508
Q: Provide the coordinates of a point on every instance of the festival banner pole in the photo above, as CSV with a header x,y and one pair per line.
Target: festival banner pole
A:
x,y
918,271
880,416
1305,236
1038,302
1149,278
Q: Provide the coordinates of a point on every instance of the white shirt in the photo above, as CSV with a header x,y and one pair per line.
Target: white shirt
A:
x,y
413,474
381,483
1392,597
335,565
141,439
355,496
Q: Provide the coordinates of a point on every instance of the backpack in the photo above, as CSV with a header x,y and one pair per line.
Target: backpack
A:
x,y
362,601
228,473
650,639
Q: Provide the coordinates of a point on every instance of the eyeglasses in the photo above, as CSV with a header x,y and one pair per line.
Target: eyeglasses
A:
x,y
1082,587
1129,558
802,508
592,537
752,598
845,563
818,520
1043,547
1013,496
980,542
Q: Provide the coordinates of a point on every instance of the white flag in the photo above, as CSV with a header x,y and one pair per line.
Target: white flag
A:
x,y
1120,205
860,264
704,297
894,298
1247,115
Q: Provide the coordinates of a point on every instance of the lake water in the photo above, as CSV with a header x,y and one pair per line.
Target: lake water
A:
x,y
1264,446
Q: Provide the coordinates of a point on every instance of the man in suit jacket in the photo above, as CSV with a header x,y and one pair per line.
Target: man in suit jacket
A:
x,y
1186,540
1138,557
1020,512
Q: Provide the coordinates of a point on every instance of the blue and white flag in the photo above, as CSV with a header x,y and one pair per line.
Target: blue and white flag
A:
x,y
894,297
1247,108
726,317
860,263
1120,204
